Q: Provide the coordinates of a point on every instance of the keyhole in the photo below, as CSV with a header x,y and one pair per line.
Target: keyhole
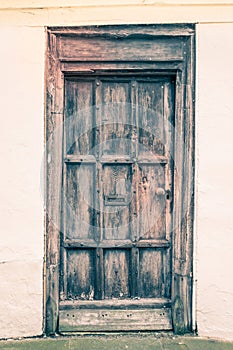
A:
x,y
145,183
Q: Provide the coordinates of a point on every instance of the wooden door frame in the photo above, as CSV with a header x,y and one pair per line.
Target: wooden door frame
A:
x,y
172,49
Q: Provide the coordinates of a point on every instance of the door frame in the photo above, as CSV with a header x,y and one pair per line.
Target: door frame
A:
x,y
171,51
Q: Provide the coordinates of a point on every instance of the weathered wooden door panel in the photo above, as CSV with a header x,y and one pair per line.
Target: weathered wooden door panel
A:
x,y
78,101
80,279
120,189
116,215
115,320
116,273
117,182
78,201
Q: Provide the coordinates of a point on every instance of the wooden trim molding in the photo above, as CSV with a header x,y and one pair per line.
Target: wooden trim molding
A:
x,y
159,50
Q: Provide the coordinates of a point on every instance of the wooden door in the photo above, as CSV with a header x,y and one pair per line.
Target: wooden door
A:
x,y
116,246
119,185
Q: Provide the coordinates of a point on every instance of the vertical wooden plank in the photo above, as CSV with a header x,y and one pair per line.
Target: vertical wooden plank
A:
x,y
150,106
151,278
183,280
78,116
53,167
99,274
189,159
79,201
63,255
167,272
177,299
80,274
184,191
116,274
98,110
152,202
178,167
117,180
169,132
182,304
134,267
133,117
96,187
99,188
97,91
134,213
116,128
134,272
97,210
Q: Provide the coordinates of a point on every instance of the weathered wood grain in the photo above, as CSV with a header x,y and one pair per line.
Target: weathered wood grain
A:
x,y
152,68
132,303
80,274
151,277
53,182
152,202
79,202
183,195
116,273
117,243
116,217
78,125
150,105
114,320
129,30
83,158
116,118
95,49
99,288
181,314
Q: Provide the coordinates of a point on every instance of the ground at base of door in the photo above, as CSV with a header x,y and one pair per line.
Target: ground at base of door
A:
x,y
119,342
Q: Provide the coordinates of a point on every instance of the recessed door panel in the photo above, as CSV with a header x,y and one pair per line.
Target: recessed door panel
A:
x,y
78,204
151,273
116,274
152,202
117,195
78,125
80,282
116,118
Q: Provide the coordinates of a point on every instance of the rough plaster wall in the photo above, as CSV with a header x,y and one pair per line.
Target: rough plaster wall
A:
x,y
21,209
215,180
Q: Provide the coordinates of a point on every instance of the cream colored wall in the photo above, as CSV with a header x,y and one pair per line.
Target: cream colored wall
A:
x,y
21,209
214,216
21,146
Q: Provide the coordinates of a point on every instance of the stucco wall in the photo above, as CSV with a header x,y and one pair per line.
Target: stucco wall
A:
x,y
21,209
21,147
214,219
